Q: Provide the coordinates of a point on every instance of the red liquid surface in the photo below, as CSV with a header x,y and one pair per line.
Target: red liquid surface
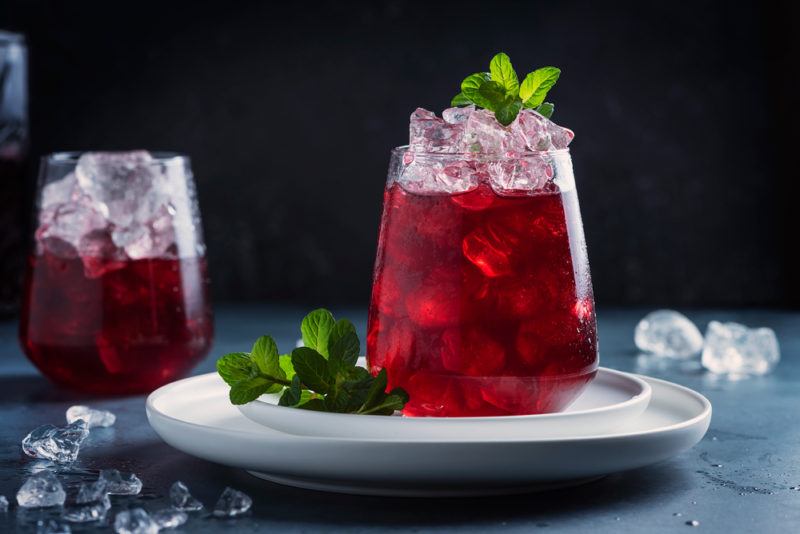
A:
x,y
482,304
137,326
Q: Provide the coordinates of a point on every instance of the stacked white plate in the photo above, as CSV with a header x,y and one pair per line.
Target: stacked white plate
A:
x,y
620,422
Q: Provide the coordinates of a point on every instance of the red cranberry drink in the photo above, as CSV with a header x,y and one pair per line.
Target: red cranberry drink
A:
x,y
116,294
482,301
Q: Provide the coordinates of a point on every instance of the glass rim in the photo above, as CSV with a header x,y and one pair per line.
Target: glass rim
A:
x,y
398,150
70,157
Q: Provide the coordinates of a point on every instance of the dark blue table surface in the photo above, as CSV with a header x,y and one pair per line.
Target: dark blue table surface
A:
x,y
738,479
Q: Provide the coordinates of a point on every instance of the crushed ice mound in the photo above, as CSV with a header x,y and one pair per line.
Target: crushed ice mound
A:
x,y
118,205
668,333
94,418
734,349
58,444
41,490
467,146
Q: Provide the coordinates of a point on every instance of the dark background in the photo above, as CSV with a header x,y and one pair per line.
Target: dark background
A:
x,y
684,156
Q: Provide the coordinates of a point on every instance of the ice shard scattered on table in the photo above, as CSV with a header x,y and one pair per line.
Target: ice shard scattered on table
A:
x,y
734,349
668,333
58,444
232,503
3,504
91,503
183,500
135,521
51,526
41,490
120,483
94,418
169,518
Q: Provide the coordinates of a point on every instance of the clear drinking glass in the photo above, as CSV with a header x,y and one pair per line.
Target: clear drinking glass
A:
x,y
482,301
116,293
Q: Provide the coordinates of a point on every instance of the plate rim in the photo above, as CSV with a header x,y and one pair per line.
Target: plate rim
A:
x,y
644,395
705,413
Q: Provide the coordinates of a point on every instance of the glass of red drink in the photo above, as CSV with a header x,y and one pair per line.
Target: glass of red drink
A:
x,y
482,301
116,295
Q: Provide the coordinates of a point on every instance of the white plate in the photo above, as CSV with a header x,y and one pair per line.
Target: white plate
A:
x,y
607,402
194,416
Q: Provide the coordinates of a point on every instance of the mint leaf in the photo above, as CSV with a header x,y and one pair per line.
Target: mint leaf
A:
x,y
494,93
503,73
535,86
235,367
312,369
265,356
343,344
250,389
377,390
546,109
471,85
293,395
285,361
316,327
390,403
315,404
460,100
508,111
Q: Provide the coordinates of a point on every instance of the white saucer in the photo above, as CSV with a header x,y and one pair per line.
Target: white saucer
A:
x,y
195,416
607,402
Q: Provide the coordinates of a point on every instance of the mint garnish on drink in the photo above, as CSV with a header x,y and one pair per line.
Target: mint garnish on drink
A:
x,y
321,376
500,91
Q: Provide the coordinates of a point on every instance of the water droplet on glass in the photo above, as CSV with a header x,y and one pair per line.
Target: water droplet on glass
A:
x,y
677,514
716,465
693,523
795,488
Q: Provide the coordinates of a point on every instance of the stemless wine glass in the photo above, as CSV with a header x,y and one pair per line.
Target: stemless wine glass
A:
x,y
116,295
482,301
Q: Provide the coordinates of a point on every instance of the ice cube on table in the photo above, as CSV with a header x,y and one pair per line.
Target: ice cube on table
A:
x,y
51,526
94,418
734,349
135,521
668,333
3,504
86,512
120,483
182,500
232,503
41,490
58,444
93,492
169,518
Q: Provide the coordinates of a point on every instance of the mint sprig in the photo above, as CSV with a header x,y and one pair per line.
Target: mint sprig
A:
x,y
321,376
500,91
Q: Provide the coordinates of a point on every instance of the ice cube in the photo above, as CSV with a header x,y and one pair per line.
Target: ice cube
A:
x,y
61,191
668,333
41,491
94,418
483,134
58,444
439,174
457,115
3,504
471,352
120,483
734,349
51,526
181,498
489,249
532,172
135,521
86,512
169,518
232,503
94,492
428,133
68,224
120,183
436,302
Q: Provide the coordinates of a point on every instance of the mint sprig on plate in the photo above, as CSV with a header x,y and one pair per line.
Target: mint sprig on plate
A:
x,y
322,375
501,92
